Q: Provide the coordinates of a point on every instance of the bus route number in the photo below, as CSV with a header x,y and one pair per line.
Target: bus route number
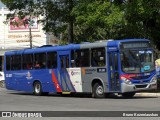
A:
x,y
8,75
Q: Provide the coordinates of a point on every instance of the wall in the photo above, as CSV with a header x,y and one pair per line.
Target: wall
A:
x,y
17,37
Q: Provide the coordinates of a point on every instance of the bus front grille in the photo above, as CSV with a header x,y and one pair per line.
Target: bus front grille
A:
x,y
140,77
141,86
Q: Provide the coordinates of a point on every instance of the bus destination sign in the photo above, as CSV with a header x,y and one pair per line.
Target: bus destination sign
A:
x,y
135,45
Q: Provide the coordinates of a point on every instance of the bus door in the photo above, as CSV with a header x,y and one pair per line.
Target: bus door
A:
x,y
113,74
63,74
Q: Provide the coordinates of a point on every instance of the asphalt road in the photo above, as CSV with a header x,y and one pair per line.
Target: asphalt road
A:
x,y
21,101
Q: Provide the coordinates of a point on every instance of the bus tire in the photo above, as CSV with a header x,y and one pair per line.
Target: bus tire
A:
x,y
37,88
128,94
98,91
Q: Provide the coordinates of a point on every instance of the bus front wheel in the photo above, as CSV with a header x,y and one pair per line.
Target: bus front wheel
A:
x,y
98,91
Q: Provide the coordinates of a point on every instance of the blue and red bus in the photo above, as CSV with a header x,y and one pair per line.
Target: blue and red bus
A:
x,y
112,66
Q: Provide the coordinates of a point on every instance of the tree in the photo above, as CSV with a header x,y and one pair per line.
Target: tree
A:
x,y
58,18
143,19
97,20
90,20
117,19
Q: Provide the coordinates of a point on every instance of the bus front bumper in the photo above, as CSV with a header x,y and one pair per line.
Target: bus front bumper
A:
x,y
138,87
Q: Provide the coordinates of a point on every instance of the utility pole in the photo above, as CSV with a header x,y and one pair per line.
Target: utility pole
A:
x,y
30,36
30,24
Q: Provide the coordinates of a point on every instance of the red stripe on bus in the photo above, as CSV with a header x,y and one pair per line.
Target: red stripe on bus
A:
x,y
57,86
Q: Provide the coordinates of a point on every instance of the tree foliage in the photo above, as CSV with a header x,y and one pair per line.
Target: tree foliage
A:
x,y
98,19
90,20
143,19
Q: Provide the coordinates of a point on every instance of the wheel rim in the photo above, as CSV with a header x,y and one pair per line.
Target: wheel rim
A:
x,y
37,88
99,90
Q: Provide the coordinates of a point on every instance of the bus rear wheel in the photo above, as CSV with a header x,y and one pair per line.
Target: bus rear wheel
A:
x,y
38,89
128,95
98,91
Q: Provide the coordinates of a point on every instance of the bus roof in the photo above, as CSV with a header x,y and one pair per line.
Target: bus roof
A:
x,y
109,43
104,43
116,42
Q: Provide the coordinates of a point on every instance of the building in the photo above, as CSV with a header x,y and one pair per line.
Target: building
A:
x,y
14,37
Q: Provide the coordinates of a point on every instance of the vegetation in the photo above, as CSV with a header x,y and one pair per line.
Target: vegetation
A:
x,y
90,20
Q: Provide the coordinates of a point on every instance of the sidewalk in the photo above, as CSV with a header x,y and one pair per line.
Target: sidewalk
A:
x,y
148,94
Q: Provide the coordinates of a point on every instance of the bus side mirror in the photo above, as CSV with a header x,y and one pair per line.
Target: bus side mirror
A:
x,y
101,58
72,61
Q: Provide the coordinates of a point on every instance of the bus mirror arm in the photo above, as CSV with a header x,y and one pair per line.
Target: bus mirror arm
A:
x,y
116,75
121,56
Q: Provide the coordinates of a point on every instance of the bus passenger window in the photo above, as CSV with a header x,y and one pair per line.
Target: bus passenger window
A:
x,y
116,61
72,59
43,65
37,65
67,62
39,60
15,62
27,61
28,66
12,63
52,60
82,58
62,62
98,57
8,67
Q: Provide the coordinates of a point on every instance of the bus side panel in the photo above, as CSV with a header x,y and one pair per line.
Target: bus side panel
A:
x,y
23,81
51,85
63,80
20,80
44,76
10,83
75,79
90,75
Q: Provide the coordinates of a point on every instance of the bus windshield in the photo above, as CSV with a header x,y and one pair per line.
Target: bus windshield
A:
x,y
137,61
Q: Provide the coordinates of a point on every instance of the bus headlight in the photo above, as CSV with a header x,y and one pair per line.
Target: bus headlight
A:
x,y
125,80
154,79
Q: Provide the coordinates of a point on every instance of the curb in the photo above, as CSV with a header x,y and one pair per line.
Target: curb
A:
x,y
148,94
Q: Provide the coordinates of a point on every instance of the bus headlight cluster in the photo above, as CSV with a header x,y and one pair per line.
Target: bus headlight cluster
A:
x,y
125,80
154,79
